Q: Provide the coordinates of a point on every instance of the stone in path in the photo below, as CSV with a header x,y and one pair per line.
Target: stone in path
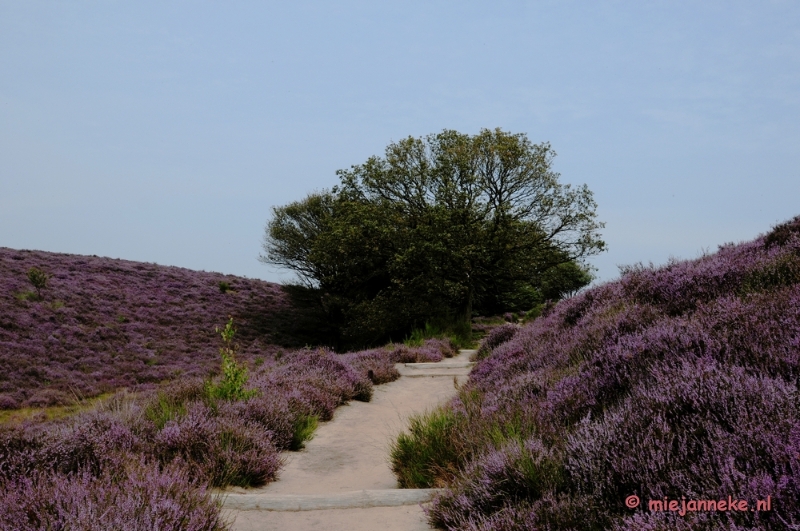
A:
x,y
346,464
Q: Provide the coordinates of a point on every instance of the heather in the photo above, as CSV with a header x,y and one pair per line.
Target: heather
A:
x,y
80,326
147,460
496,337
674,381
142,498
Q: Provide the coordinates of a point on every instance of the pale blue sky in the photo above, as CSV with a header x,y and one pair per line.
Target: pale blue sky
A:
x,y
165,131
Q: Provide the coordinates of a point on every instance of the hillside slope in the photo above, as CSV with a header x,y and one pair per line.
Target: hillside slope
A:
x,y
678,382
103,324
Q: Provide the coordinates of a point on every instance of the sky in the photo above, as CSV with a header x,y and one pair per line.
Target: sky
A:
x,y
166,131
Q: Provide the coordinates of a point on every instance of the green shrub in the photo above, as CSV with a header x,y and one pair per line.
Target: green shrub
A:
x,y
39,279
782,271
234,376
163,409
415,339
27,296
303,430
426,455
459,333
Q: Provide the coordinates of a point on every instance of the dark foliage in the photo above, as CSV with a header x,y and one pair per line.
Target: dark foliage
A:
x,y
439,227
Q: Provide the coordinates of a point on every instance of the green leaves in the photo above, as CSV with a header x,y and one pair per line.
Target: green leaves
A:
x,y
438,227
38,279
234,376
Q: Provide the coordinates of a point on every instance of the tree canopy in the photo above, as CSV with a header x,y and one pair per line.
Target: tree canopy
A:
x,y
436,229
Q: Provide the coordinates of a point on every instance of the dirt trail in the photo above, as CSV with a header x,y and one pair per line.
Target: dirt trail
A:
x,y
342,480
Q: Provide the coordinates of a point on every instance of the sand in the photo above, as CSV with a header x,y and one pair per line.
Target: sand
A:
x,y
342,479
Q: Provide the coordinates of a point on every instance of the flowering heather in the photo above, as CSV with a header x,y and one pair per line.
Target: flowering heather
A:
x,y
496,337
676,381
136,498
103,324
146,460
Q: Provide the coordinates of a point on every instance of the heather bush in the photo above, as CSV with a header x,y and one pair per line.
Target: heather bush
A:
x,y
500,480
8,402
496,337
314,382
269,411
179,431
783,233
136,497
446,347
92,441
698,430
456,334
221,450
429,350
669,521
672,381
19,451
376,364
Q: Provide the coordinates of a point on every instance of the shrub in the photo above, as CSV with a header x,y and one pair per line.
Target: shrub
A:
x,y
303,430
8,402
673,381
783,233
496,337
513,475
698,430
137,497
219,449
270,411
164,408
426,453
234,376
92,441
38,279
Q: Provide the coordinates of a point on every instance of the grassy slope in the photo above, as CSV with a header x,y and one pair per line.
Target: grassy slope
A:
x,y
104,324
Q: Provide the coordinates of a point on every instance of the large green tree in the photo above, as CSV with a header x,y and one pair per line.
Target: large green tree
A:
x,y
438,228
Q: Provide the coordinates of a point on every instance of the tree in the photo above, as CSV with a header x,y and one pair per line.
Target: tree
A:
x,y
38,279
439,227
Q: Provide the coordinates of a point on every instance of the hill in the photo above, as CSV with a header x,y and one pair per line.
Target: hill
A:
x,y
102,324
676,383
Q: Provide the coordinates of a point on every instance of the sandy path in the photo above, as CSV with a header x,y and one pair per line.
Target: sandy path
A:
x,y
346,465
